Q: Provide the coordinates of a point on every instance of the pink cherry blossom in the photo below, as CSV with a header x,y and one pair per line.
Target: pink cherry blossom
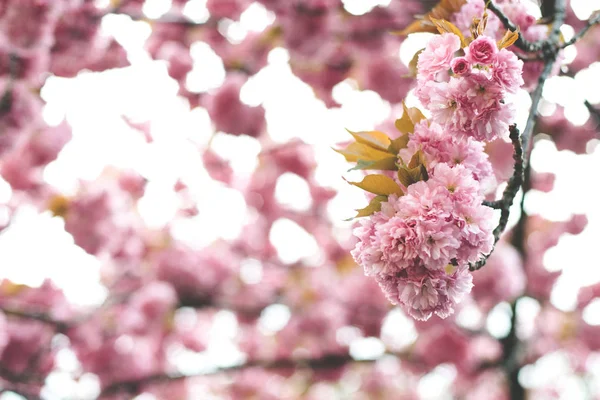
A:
x,y
460,66
506,71
482,50
438,54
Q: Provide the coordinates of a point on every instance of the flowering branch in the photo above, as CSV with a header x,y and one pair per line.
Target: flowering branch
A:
x,y
550,46
521,42
512,188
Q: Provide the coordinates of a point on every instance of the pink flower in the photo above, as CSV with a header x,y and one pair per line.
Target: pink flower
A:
x,y
229,114
476,227
460,66
441,146
482,51
435,223
367,252
438,54
458,181
423,292
507,71
450,105
493,122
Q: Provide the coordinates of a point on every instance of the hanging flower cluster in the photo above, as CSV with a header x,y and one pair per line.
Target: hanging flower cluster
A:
x,y
427,222
466,95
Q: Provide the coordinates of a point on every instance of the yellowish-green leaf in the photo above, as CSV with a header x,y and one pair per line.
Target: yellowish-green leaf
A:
x,y
376,139
414,113
478,25
58,205
408,176
345,265
360,151
482,24
372,208
508,39
410,118
386,164
379,184
8,288
412,65
444,26
417,159
399,144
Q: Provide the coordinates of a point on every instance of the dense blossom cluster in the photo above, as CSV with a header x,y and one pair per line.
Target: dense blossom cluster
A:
x,y
237,317
521,15
410,245
472,99
419,246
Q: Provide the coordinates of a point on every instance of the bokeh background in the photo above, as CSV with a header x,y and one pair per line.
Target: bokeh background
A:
x,y
248,226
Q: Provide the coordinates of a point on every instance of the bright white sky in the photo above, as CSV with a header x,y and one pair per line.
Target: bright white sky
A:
x,y
93,104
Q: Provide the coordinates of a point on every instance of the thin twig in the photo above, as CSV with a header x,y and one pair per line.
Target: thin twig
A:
x,y
508,196
521,42
550,51
536,97
510,358
550,46
59,326
326,362
594,112
590,23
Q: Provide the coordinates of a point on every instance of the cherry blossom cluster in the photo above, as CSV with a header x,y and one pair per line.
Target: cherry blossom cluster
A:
x,y
520,14
467,94
421,242
419,245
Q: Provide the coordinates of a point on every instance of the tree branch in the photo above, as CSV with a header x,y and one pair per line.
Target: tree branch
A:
x,y
550,46
590,23
325,362
550,49
508,196
594,112
521,42
60,326
511,345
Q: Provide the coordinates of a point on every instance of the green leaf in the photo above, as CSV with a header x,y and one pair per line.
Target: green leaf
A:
x,y
372,208
379,184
